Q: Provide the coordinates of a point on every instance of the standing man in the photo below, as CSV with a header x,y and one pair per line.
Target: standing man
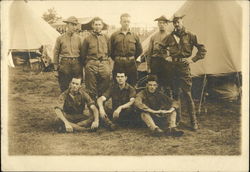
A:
x,y
96,61
67,54
125,48
155,106
123,96
156,62
180,45
71,106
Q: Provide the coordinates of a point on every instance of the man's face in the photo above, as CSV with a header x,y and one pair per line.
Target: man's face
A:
x,y
75,84
178,24
152,86
162,25
97,26
121,78
72,27
125,22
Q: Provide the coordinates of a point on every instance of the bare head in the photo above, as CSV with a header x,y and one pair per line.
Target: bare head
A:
x,y
125,20
97,24
152,83
121,78
75,85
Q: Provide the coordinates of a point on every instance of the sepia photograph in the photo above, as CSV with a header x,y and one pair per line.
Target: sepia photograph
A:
x,y
113,83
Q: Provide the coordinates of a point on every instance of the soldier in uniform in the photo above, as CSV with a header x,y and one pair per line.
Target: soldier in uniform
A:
x,y
180,45
155,56
123,96
96,61
125,47
155,106
71,105
67,54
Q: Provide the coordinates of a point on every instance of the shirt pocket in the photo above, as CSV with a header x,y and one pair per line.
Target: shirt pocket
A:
x,y
131,45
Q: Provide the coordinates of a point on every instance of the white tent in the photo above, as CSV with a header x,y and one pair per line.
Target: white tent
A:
x,y
27,31
218,25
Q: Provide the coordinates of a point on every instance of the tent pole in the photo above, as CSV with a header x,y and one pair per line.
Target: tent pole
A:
x,y
238,79
202,93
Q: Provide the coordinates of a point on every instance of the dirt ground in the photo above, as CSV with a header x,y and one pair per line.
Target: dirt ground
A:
x,y
32,128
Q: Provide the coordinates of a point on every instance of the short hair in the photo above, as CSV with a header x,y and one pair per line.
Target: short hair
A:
x,y
96,19
120,71
124,15
152,78
76,78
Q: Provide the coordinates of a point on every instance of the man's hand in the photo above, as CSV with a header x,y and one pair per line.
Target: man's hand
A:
x,y
117,112
103,114
188,61
56,66
69,128
95,125
168,58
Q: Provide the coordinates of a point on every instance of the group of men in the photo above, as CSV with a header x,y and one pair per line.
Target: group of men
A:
x,y
168,62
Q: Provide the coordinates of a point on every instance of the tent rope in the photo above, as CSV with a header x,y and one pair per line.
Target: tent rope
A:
x,y
202,92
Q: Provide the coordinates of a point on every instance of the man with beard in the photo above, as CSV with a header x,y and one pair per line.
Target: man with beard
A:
x,y
180,45
97,63
123,96
67,54
125,47
157,64
155,106
71,106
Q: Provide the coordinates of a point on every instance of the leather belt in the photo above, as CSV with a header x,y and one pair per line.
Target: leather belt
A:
x,y
102,58
128,58
70,58
174,59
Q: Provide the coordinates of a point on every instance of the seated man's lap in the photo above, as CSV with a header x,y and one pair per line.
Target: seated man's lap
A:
x,y
74,118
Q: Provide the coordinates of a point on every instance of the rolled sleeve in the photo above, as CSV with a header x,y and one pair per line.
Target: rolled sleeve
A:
x,y
87,98
201,49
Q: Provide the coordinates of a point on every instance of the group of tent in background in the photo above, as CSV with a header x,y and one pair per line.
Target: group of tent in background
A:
x,y
217,24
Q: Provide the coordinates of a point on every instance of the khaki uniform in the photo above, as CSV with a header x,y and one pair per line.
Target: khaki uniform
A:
x,y
97,64
180,46
67,55
124,49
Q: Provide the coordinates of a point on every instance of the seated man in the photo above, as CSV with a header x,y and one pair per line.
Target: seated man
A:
x,y
155,105
123,97
71,106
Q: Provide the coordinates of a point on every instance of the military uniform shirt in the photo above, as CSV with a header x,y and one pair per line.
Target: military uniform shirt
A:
x,y
125,45
184,48
120,96
67,45
75,104
156,101
95,46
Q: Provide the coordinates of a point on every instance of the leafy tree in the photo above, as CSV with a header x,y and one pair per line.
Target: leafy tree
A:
x,y
51,16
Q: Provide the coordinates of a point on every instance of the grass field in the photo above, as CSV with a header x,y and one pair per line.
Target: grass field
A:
x,y
32,127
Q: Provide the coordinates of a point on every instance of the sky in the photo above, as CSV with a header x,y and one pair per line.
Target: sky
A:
x,y
142,12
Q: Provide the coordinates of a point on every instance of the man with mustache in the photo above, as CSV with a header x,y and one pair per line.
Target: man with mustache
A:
x,y
180,45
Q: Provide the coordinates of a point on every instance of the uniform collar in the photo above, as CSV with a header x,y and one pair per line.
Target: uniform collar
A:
x,y
126,86
96,33
121,32
179,33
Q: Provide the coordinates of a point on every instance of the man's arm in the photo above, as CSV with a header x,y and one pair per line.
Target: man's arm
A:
x,y
140,105
111,47
138,47
100,102
84,50
201,49
57,50
95,123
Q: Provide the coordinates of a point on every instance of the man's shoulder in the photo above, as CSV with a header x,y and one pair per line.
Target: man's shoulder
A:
x,y
141,93
115,33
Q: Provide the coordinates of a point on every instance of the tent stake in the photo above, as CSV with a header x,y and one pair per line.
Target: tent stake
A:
x,y
202,93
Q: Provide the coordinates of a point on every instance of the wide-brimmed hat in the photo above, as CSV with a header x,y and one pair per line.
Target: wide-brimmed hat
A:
x,y
71,19
162,18
177,17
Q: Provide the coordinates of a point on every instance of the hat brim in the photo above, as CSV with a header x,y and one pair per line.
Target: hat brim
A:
x,y
69,22
167,21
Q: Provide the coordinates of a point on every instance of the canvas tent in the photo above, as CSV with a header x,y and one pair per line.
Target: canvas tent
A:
x,y
27,31
218,25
